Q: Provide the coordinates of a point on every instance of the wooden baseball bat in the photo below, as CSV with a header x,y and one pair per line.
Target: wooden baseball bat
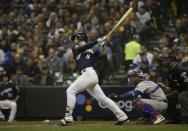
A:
x,y
127,13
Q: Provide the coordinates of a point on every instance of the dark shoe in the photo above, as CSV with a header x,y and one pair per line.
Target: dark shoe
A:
x,y
63,122
122,122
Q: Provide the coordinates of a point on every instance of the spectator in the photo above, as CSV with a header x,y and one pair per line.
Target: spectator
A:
x,y
144,58
20,79
9,95
132,48
137,4
143,15
53,62
52,19
63,56
163,42
2,56
70,65
29,29
154,76
44,78
104,64
185,58
1,74
31,69
17,62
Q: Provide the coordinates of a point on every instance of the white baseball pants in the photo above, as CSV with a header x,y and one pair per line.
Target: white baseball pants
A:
x,y
89,81
13,109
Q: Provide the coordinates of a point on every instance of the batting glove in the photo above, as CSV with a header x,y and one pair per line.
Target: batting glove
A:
x,y
102,44
102,39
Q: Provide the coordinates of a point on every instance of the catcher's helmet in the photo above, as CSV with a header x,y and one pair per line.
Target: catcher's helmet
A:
x,y
136,73
81,36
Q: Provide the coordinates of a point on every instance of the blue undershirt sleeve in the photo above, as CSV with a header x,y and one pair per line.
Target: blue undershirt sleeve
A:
x,y
130,95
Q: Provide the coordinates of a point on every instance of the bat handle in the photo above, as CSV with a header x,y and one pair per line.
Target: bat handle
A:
x,y
109,34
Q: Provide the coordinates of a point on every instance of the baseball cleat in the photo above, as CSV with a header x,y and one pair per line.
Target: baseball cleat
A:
x,y
63,122
158,119
122,122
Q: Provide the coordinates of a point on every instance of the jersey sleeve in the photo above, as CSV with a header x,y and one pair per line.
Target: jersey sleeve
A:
x,y
97,51
79,49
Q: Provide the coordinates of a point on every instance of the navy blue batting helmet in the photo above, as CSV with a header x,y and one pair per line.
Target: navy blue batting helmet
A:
x,y
81,36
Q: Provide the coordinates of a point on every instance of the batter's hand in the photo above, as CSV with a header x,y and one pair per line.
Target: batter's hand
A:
x,y
102,43
114,97
102,39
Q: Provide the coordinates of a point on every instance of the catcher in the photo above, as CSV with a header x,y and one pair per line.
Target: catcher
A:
x,y
149,99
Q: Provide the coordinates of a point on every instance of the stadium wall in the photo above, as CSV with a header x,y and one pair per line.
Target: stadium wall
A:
x,y
50,102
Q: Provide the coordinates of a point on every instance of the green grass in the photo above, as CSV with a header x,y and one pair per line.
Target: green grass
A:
x,y
88,126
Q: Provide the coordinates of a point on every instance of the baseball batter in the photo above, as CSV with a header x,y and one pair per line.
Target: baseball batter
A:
x,y
88,80
153,101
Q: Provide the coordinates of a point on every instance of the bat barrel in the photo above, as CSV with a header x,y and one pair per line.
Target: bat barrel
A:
x,y
127,13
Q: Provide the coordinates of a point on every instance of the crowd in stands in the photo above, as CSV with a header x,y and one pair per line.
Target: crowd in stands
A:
x,y
35,43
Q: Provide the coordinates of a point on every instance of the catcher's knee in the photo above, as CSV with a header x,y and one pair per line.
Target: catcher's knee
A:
x,y
138,104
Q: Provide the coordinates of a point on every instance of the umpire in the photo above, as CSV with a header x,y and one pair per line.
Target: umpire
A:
x,y
178,81
9,95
